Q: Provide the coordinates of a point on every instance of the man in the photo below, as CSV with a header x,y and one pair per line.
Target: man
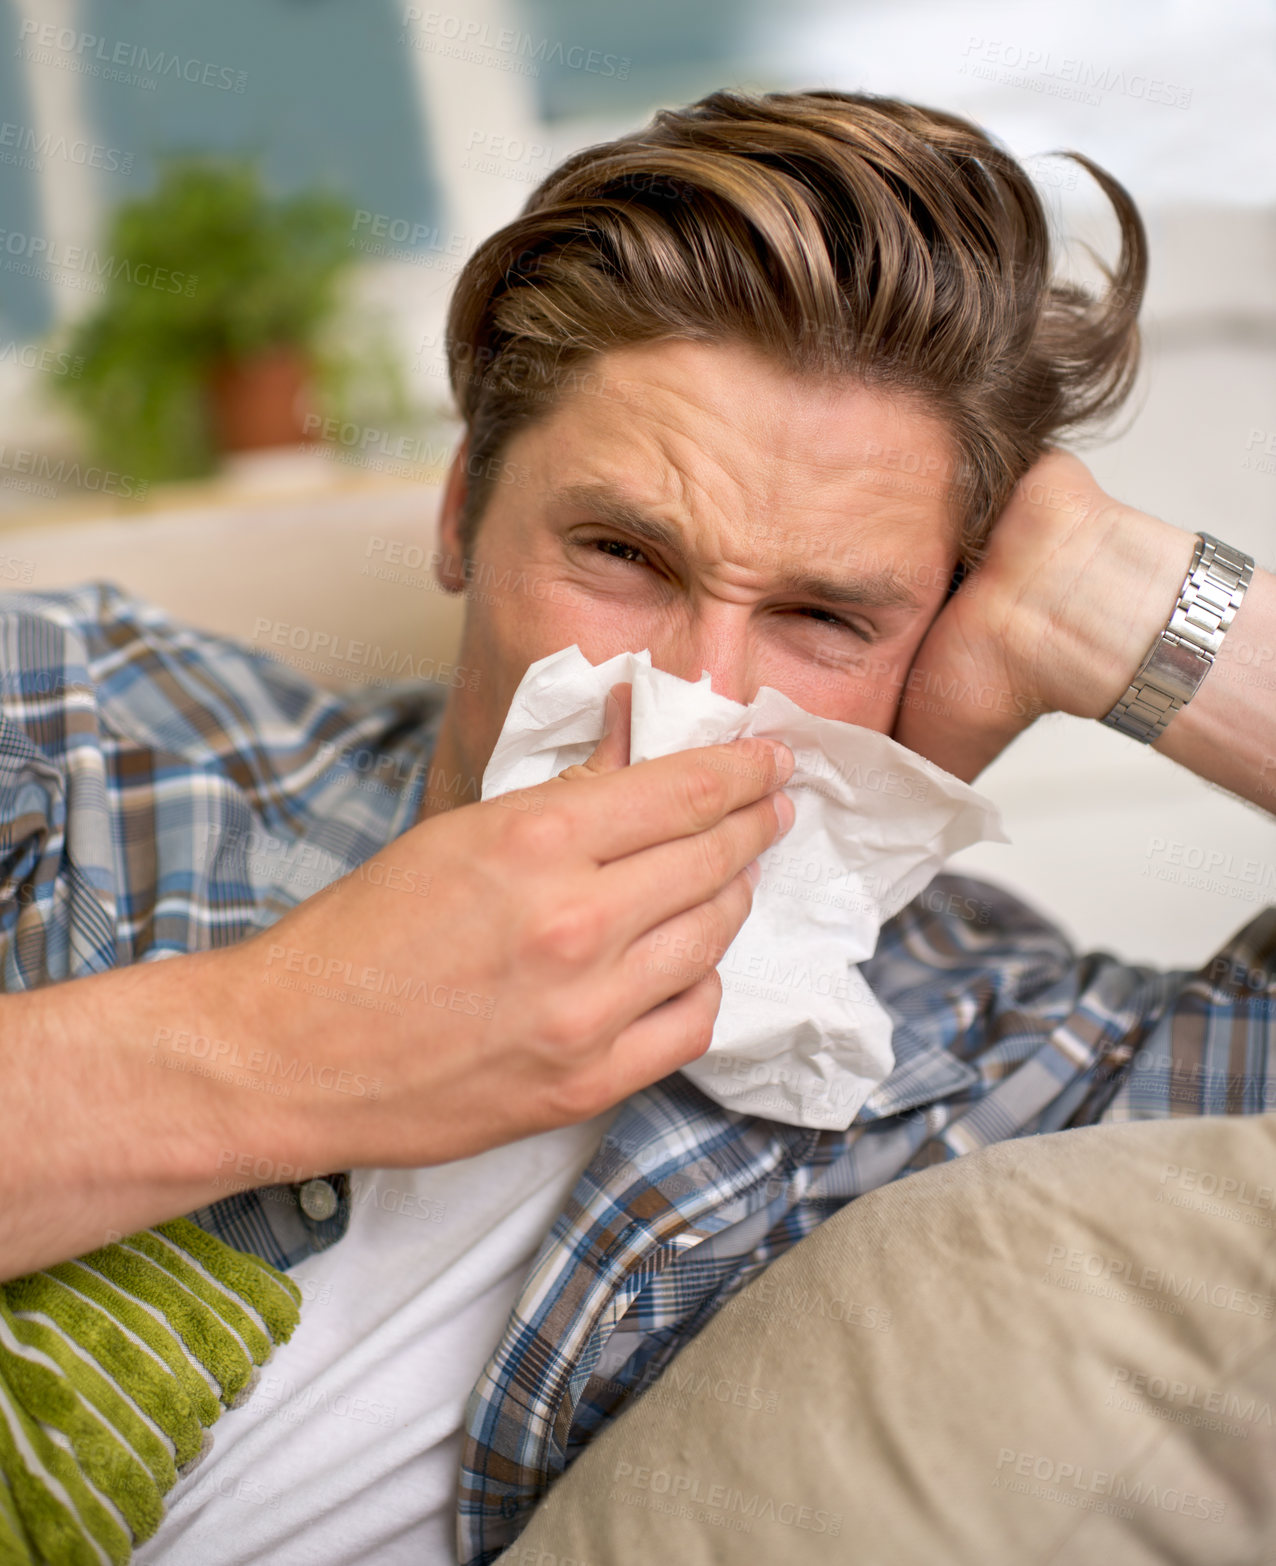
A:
x,y
746,389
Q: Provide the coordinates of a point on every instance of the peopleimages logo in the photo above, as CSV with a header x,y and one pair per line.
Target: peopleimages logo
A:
x,y
751,1508
134,65
464,37
1157,1280
334,971
223,1055
49,360
1190,1396
1071,1483
28,146
34,254
23,460
1067,76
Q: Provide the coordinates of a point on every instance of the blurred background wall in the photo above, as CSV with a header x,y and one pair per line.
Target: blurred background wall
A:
x,y
427,125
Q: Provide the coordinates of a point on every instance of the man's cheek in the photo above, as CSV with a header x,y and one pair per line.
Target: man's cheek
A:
x,y
511,634
862,688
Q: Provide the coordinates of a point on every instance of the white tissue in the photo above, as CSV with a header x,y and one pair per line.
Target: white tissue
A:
x,y
799,1037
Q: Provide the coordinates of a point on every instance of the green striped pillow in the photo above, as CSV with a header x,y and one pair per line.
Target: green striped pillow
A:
x,y
112,1367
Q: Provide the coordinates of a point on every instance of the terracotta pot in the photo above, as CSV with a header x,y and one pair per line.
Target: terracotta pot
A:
x,y
262,401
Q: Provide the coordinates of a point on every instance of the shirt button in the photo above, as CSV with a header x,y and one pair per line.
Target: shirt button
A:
x,y
318,1200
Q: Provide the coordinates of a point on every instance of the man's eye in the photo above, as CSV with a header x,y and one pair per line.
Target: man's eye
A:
x,y
619,549
826,617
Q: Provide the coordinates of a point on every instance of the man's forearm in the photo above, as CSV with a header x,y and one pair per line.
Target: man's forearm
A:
x,y
103,1136
1074,590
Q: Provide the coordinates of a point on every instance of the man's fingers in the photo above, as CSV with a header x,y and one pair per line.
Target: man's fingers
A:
x,y
612,751
664,1039
616,813
656,884
685,949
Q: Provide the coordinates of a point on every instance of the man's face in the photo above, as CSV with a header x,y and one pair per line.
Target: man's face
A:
x,y
696,500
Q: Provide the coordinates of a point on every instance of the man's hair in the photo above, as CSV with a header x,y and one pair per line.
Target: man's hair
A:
x,y
842,234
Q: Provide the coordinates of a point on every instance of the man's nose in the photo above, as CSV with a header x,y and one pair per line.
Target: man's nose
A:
x,y
717,644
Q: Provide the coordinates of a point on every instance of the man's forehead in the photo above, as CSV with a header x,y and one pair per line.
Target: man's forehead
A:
x,y
689,432
734,389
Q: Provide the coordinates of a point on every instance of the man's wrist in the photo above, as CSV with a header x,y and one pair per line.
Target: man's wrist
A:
x,y
1184,651
178,1027
1117,585
254,1111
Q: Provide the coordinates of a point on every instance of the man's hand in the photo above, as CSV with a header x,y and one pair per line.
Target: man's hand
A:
x,y
522,991
1073,590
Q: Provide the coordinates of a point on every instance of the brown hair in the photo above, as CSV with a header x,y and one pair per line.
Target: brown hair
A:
x,y
842,233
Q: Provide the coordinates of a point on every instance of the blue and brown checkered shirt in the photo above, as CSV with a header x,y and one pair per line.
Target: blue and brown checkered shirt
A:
x,y
163,791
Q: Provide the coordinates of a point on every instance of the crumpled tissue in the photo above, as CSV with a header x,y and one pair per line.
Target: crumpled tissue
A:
x,y
799,1038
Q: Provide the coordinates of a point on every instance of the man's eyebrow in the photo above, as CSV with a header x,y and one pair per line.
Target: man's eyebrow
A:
x,y
880,590
874,590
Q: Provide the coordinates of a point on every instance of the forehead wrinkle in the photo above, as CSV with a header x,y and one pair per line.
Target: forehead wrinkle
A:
x,y
785,442
872,590
788,463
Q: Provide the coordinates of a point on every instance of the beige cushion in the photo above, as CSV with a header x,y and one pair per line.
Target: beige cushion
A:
x,y
339,584
1059,1349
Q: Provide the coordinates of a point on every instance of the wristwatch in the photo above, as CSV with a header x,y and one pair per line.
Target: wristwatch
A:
x,y
1184,652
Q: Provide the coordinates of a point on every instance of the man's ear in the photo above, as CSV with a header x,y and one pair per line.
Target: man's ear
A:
x,y
449,567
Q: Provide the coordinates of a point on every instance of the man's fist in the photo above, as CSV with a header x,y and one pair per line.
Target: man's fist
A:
x,y
1072,591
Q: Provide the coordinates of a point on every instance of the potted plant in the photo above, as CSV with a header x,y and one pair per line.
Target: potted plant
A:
x,y
209,331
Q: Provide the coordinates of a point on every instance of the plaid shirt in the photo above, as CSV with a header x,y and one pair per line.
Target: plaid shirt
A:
x,y
164,791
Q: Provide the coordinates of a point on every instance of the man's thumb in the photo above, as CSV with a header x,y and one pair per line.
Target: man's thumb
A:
x,y
612,751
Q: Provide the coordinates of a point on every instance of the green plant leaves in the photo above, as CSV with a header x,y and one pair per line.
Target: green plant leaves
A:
x,y
207,268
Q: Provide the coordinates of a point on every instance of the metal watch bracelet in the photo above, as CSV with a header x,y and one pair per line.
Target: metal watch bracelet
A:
x,y
1184,652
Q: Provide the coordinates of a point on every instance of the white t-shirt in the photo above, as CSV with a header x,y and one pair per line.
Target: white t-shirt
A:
x,y
348,1451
